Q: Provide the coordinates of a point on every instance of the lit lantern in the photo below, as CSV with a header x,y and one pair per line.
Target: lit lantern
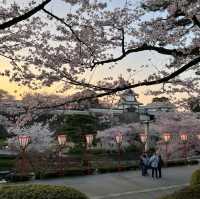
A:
x,y
24,140
62,140
143,137
166,137
119,138
198,136
184,137
89,139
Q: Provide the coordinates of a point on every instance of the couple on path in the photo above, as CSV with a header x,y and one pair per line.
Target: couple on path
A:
x,y
154,162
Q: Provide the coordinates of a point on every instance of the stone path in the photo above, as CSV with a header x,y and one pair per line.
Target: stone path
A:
x,y
127,185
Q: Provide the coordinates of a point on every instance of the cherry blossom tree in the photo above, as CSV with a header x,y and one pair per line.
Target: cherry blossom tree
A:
x,y
129,132
41,137
169,122
176,123
63,48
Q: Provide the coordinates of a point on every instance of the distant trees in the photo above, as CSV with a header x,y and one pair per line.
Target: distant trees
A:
x,y
160,99
3,132
194,104
4,95
77,126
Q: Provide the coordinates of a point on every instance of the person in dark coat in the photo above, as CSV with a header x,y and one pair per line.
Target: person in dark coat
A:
x,y
143,164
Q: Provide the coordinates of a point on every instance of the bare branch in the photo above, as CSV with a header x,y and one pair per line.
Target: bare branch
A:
x,y
24,16
123,41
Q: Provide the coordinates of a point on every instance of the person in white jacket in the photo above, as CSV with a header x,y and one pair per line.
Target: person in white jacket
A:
x,y
154,160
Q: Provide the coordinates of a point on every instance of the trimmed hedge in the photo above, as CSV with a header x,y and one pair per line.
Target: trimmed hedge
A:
x,y
181,163
7,157
16,177
7,162
68,172
40,192
192,192
195,179
115,168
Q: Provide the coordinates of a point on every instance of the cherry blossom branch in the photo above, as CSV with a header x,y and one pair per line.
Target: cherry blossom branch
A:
x,y
7,57
140,84
24,16
83,84
67,25
144,47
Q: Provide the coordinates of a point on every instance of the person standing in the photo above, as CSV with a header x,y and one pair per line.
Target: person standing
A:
x,y
154,165
142,167
146,164
143,164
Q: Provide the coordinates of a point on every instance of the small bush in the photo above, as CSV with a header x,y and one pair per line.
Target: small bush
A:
x,y
186,193
40,192
195,179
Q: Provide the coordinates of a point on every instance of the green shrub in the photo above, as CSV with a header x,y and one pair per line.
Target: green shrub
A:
x,y
6,164
67,172
115,168
193,162
40,192
195,179
192,192
16,177
173,163
7,157
98,151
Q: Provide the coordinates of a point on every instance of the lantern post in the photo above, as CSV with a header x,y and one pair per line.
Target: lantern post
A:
x,y
143,138
62,140
23,141
166,138
119,140
184,140
89,140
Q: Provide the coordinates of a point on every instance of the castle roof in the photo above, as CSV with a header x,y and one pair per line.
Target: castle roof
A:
x,y
128,97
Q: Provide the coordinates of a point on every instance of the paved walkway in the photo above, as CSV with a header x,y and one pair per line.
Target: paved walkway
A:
x,y
127,185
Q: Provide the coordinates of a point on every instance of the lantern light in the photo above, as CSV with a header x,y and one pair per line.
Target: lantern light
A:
x,y
198,136
62,140
166,137
143,137
119,138
184,137
24,140
89,139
